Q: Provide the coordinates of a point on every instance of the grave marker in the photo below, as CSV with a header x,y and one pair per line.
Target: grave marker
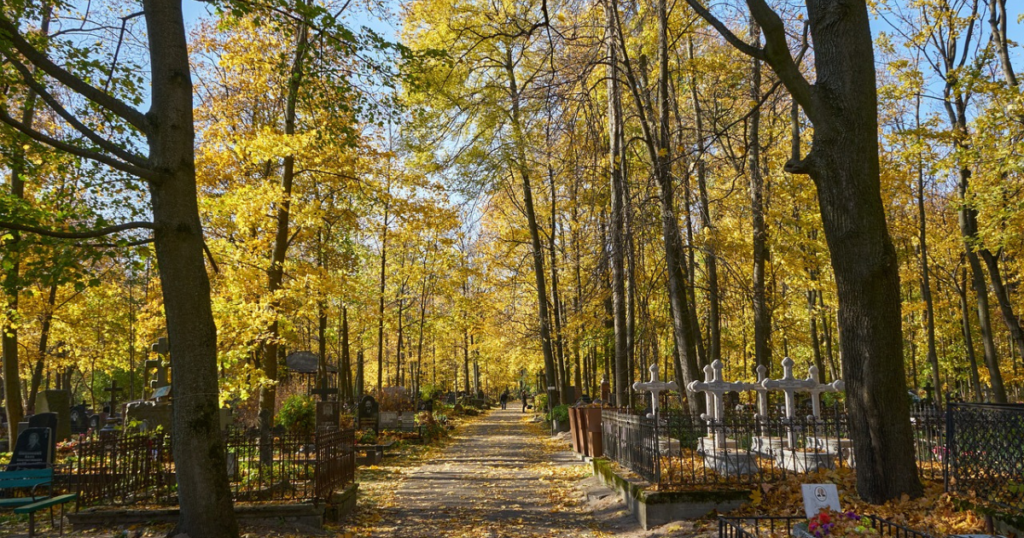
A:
x,y
33,450
655,387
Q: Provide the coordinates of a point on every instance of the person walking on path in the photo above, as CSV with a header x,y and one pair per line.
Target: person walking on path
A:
x,y
525,397
504,399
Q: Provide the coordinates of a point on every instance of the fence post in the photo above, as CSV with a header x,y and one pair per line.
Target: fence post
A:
x,y
948,448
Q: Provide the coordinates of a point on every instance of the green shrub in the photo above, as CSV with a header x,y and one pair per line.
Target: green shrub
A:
x,y
298,415
560,413
540,402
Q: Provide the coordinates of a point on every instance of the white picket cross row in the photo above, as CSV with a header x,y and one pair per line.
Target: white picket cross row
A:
x,y
655,387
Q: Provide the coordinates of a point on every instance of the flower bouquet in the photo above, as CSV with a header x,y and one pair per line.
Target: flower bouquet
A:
x,y
829,524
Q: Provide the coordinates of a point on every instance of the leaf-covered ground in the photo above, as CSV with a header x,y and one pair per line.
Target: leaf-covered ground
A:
x,y
498,476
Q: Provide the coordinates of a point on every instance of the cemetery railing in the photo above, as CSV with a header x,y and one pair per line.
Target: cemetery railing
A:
x,y
784,526
632,441
681,449
128,469
985,454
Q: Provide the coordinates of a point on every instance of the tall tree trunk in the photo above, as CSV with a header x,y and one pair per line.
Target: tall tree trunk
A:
x,y
346,358
519,139
710,257
926,288
559,348
617,223
44,342
203,491
275,273
380,304
12,276
965,327
762,316
843,162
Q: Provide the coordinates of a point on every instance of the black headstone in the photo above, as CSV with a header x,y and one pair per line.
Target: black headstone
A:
x,y
34,450
368,407
328,415
49,421
427,405
79,419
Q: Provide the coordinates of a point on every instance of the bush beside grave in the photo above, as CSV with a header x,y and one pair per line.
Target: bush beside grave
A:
x,y
298,415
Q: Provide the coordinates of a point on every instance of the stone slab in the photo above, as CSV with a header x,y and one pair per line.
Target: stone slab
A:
x,y
654,508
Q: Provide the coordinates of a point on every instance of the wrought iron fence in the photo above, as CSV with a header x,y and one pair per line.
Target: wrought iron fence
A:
x,y
632,441
783,527
985,453
134,468
742,449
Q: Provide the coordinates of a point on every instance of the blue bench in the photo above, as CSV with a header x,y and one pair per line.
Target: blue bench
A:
x,y
32,480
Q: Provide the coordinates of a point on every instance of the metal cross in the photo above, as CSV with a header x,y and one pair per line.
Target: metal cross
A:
x,y
323,391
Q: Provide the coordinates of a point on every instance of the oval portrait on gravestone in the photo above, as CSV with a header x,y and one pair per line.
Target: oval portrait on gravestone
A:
x,y
820,495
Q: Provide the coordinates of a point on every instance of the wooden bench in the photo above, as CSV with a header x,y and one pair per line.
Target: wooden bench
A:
x,y
29,479
32,479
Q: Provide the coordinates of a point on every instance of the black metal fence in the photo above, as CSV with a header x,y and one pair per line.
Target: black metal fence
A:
x,y
783,527
136,468
741,449
985,453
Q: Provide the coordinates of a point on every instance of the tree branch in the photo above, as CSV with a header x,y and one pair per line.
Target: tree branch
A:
x,y
725,32
40,60
107,145
127,168
778,56
78,235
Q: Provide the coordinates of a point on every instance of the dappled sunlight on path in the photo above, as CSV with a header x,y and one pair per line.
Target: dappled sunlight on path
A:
x,y
499,476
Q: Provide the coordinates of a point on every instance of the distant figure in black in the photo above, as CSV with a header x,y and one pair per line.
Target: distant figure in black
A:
x,y
525,396
504,399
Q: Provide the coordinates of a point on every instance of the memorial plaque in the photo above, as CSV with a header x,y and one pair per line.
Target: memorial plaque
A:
x,y
818,497
33,450
328,415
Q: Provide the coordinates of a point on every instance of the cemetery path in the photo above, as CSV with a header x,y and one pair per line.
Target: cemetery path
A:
x,y
499,476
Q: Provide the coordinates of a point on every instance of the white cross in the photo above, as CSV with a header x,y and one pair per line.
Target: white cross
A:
x,y
762,393
655,387
790,386
817,388
714,388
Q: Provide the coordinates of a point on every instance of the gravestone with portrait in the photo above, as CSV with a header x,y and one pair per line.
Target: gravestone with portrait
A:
x,y
368,413
79,419
32,450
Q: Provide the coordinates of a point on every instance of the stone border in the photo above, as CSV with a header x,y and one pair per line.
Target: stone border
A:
x,y
654,508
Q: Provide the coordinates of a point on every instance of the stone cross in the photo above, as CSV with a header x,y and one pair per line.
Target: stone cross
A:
x,y
817,388
790,386
655,387
161,346
323,391
714,388
762,393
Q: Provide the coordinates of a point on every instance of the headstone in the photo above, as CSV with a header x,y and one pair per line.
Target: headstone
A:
x,y
368,413
58,402
79,419
49,421
655,387
33,450
154,414
328,415
818,497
